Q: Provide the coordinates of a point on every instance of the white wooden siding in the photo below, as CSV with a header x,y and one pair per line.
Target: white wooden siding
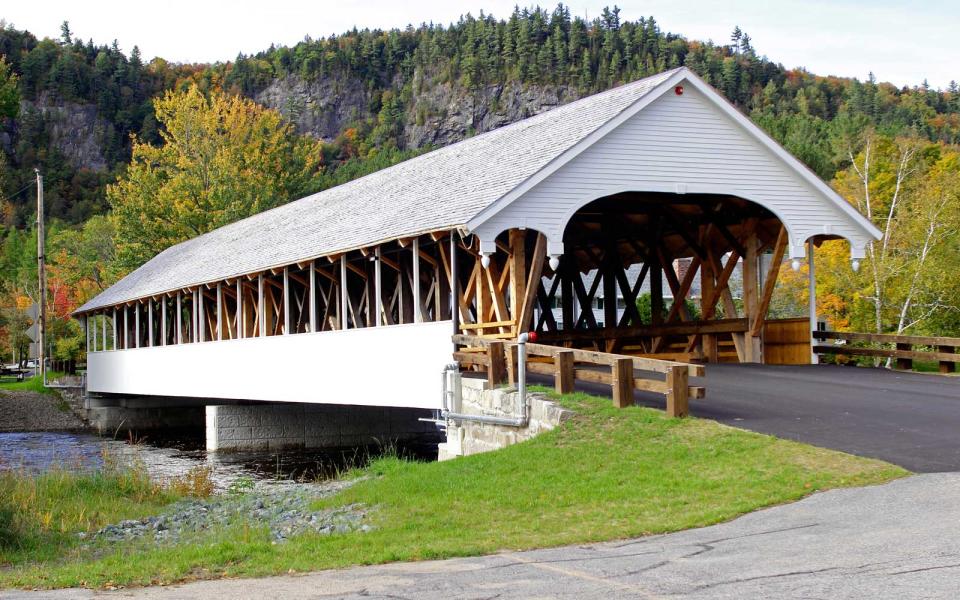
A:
x,y
678,144
397,366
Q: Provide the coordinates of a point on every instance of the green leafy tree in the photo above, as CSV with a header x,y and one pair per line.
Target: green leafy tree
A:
x,y
9,91
223,158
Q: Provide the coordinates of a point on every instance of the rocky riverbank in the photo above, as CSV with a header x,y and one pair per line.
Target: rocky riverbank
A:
x,y
23,410
286,510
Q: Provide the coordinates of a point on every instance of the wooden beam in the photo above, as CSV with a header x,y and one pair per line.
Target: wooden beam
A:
x,y
517,241
417,297
532,284
621,372
770,282
344,297
564,375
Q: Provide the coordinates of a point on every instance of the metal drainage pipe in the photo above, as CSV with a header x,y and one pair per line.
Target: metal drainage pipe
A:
x,y
519,421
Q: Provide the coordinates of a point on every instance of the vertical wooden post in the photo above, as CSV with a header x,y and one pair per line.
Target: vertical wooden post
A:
x,y
103,340
518,270
656,291
417,299
150,323
241,321
378,288
622,382
286,301
261,306
455,285
904,363
564,374
115,343
196,321
126,327
609,292
313,297
163,321
678,391
566,273
179,317
751,304
945,365
512,364
497,369
136,324
219,311
707,281
812,300
344,298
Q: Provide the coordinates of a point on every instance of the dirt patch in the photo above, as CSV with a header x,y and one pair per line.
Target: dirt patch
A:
x,y
30,411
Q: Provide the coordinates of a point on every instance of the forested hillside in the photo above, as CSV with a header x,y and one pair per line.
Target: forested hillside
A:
x,y
77,110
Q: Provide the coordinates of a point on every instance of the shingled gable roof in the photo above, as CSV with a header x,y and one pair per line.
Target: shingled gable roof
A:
x,y
439,190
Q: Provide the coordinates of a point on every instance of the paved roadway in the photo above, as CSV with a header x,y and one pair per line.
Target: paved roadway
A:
x,y
910,419
898,541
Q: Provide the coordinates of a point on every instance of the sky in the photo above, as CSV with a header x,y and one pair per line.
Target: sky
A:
x,y
899,41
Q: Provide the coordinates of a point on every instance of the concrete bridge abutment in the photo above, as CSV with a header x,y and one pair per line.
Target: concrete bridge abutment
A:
x,y
270,426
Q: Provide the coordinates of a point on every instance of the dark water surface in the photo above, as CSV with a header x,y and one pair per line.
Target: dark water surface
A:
x,y
171,457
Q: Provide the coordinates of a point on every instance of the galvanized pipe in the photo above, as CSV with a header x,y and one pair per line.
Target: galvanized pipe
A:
x,y
519,421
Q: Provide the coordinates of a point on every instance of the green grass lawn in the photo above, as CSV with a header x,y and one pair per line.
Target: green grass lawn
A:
x,y
604,475
29,384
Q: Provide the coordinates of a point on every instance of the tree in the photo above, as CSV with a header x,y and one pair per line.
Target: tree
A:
x,y
911,190
223,158
9,92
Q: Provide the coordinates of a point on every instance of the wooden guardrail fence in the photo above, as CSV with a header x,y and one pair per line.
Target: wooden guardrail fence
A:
x,y
622,373
946,351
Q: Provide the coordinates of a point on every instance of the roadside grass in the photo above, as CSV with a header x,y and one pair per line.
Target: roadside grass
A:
x,y
41,515
29,384
606,474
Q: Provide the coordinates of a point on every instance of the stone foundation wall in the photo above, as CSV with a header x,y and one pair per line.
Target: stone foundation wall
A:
x,y
281,425
468,437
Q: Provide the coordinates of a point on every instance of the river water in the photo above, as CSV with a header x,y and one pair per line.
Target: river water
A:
x,y
35,452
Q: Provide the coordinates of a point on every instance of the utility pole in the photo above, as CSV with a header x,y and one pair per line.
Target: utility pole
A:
x,y
42,276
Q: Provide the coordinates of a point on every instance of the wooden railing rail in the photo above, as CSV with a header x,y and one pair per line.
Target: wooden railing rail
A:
x,y
622,373
946,353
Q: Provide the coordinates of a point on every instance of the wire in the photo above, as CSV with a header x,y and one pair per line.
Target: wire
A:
x,y
18,192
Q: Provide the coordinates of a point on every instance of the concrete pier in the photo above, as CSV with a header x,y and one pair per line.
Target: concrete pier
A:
x,y
269,426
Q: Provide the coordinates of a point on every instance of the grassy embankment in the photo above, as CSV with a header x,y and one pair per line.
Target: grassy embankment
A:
x,y
29,384
606,474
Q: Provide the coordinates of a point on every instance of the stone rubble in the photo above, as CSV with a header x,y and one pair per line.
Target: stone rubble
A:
x,y
285,510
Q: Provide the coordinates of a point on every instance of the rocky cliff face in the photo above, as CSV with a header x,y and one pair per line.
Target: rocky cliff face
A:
x,y
74,129
437,113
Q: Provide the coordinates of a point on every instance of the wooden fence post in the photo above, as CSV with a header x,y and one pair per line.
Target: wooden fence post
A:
x,y
905,363
497,370
564,374
622,382
512,364
945,365
678,401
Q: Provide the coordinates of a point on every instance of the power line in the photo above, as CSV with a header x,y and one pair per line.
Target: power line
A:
x,y
18,192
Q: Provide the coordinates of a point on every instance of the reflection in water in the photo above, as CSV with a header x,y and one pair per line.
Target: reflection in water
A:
x,y
167,458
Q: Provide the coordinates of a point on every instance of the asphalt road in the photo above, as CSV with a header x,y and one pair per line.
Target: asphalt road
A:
x,y
899,541
909,419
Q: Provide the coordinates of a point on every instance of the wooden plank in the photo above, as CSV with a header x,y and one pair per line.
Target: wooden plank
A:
x,y
650,385
886,353
887,338
564,374
677,392
496,367
490,324
591,375
471,358
622,382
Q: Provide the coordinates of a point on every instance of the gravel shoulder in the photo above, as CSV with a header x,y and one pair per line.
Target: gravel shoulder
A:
x,y
31,411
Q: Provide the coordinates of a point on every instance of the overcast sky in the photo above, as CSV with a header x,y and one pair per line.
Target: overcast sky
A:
x,y
901,42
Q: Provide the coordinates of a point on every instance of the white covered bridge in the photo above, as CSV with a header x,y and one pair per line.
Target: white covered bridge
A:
x,y
350,296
